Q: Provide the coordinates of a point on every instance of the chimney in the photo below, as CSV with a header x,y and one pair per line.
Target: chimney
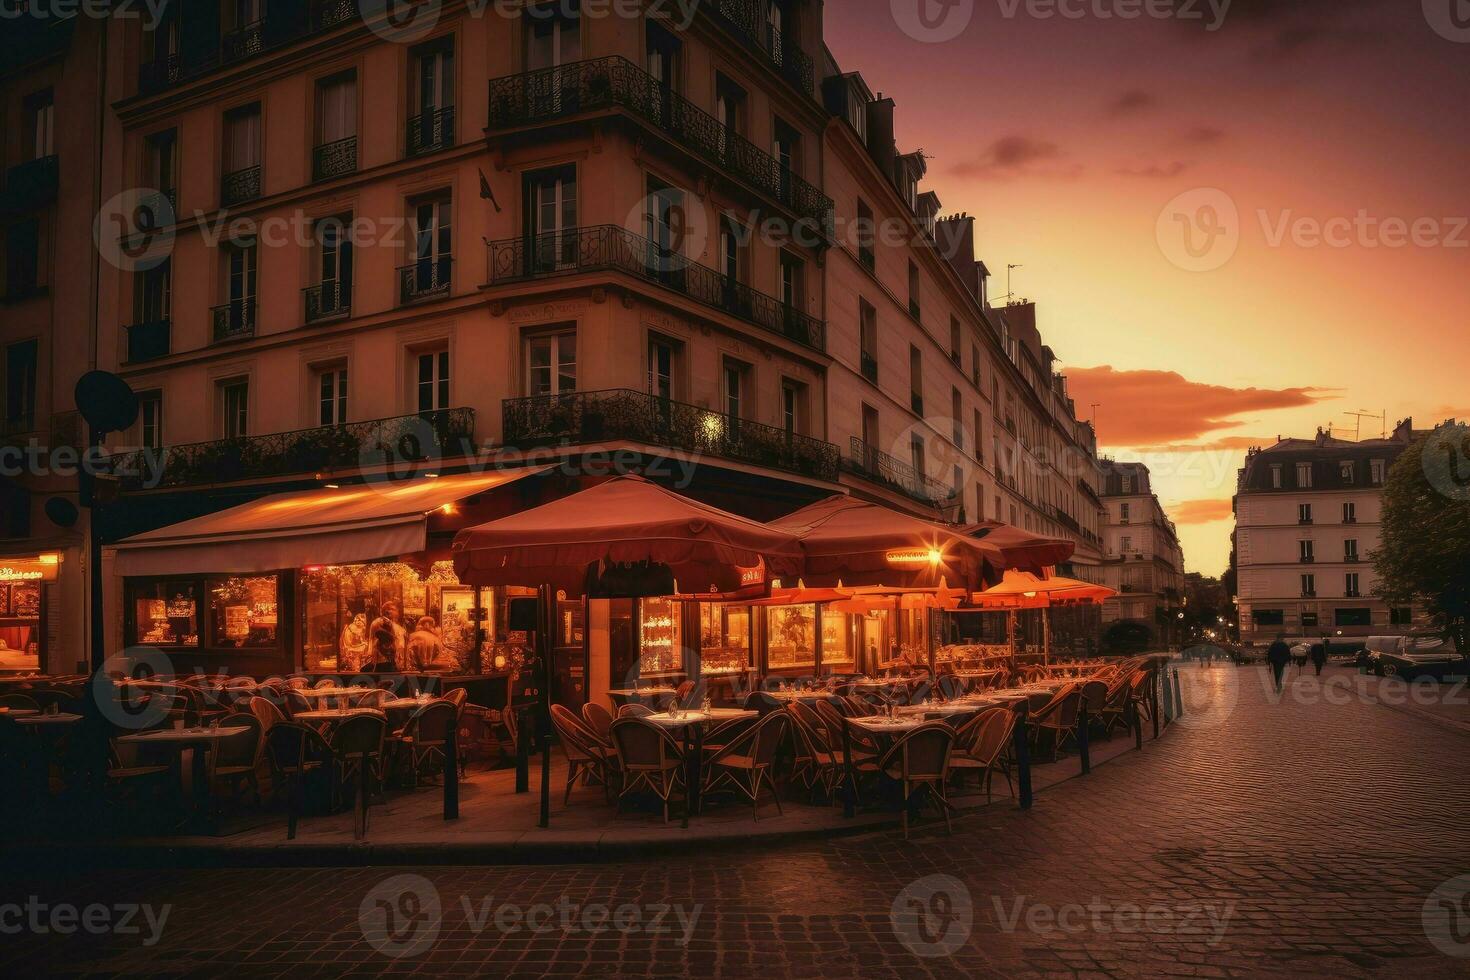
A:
x,y
955,237
880,134
1404,431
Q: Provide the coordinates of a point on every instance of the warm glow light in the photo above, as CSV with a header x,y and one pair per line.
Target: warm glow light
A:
x,y
50,558
714,426
447,509
915,556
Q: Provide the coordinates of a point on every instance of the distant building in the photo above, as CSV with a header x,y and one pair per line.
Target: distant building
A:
x,y
1307,517
1142,559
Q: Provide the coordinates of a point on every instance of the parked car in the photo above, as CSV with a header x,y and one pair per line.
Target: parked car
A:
x,y
1411,657
1338,648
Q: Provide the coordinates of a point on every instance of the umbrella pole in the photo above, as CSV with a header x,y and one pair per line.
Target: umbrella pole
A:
x,y
1011,636
1046,636
543,721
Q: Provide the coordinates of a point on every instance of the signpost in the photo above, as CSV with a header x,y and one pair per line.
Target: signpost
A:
x,y
107,404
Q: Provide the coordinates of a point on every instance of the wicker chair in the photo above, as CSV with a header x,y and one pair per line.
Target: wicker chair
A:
x,y
1059,717
237,757
634,711
296,751
745,763
919,763
980,747
814,761
650,759
585,756
357,750
426,736
599,720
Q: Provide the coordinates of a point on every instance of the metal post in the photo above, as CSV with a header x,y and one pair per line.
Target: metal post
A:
x,y
451,772
1023,760
1168,695
1134,722
543,643
1082,747
1153,698
1178,697
523,751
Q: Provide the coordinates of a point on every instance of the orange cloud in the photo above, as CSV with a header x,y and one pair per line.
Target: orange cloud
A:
x,y
1214,445
1199,511
1153,408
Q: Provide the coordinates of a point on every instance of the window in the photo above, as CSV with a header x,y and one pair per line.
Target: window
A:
x,y
786,148
433,251
1126,546
663,56
660,646
150,419
243,611
237,318
1304,474
1349,513
431,97
954,339
1376,470
734,389
1356,616
1400,616
729,107
857,110
234,402
23,258
1309,585
1304,513
164,614
914,290
791,637
1309,618
916,380
162,163
152,293
1127,480
956,412
41,123
793,407
792,291
1304,550
871,432
868,340
432,380
336,126
333,293
1350,549
331,395
978,435
553,36
242,151
661,356
1350,584
866,230
975,365
1345,470
1269,617
979,501
724,638
551,364
1275,476
551,217
21,367
732,253
916,454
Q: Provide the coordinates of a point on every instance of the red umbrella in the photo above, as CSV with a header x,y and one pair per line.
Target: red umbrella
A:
x,y
1020,549
626,536
853,542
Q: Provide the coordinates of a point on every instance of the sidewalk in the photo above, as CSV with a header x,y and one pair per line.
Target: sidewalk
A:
x,y
496,825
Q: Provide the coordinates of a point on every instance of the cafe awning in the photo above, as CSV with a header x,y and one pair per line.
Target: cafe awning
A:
x,y
1021,549
329,526
1022,590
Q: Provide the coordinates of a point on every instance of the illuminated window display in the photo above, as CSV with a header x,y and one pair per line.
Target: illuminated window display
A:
x,y
836,637
659,648
724,639
20,625
165,614
791,637
243,611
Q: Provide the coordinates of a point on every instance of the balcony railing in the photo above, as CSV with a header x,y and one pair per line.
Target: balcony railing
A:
x,y
870,462
616,83
243,42
328,301
746,20
622,414
609,247
147,341
240,186
330,13
334,159
234,320
410,440
31,184
424,279
430,131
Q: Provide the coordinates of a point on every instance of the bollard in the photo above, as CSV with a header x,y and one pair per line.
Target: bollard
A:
x,y
1168,695
1178,697
1135,722
1083,752
451,773
523,755
1153,699
1023,761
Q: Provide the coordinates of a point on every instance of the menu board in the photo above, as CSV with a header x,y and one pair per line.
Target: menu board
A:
x,y
25,600
4,599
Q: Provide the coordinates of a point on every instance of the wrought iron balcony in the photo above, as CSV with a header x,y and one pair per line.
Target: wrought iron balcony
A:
x,y
31,184
243,42
330,13
240,186
234,320
424,279
395,443
611,248
334,159
147,341
328,301
616,83
430,131
874,464
746,20
622,414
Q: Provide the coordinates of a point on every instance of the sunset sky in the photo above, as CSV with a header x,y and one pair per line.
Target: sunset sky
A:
x,y
1069,137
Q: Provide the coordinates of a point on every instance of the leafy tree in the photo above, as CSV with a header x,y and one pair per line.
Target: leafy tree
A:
x,y
1425,553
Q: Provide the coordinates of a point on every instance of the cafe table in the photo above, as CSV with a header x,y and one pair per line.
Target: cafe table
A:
x,y
692,724
13,713
199,740
334,714
620,696
41,724
945,709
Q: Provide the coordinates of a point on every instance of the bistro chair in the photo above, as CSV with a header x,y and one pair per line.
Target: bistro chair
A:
x,y
371,698
266,713
1115,706
296,702
45,697
510,718
859,707
684,695
19,701
1095,699
650,759
1059,717
745,763
325,682
950,686
814,761
762,702
919,763
296,751
457,697
235,757
426,735
1140,686
635,711
717,737
585,756
980,747
599,720
357,750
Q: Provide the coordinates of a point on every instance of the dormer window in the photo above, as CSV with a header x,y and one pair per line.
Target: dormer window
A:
x,y
857,108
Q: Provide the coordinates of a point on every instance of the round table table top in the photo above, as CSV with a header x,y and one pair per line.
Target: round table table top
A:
x,y
686,718
41,718
334,714
331,692
944,708
18,712
184,734
641,691
878,723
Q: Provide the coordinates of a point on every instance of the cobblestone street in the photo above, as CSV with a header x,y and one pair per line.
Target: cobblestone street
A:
x,y
1300,835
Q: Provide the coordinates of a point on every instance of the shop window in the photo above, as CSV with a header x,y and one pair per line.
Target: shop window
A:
x,y
243,612
165,614
724,639
791,637
1269,617
21,633
659,646
836,650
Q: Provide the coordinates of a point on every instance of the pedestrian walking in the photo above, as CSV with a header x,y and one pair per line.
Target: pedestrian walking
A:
x,y
1319,656
1279,655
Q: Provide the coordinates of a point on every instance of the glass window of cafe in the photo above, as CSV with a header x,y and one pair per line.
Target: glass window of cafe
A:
x,y
791,637
660,637
22,629
724,639
215,612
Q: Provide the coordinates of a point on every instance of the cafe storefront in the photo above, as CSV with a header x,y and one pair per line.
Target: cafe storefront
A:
x,y
25,611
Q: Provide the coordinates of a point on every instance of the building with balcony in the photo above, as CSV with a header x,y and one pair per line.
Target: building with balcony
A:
x,y
49,108
1142,559
1306,525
